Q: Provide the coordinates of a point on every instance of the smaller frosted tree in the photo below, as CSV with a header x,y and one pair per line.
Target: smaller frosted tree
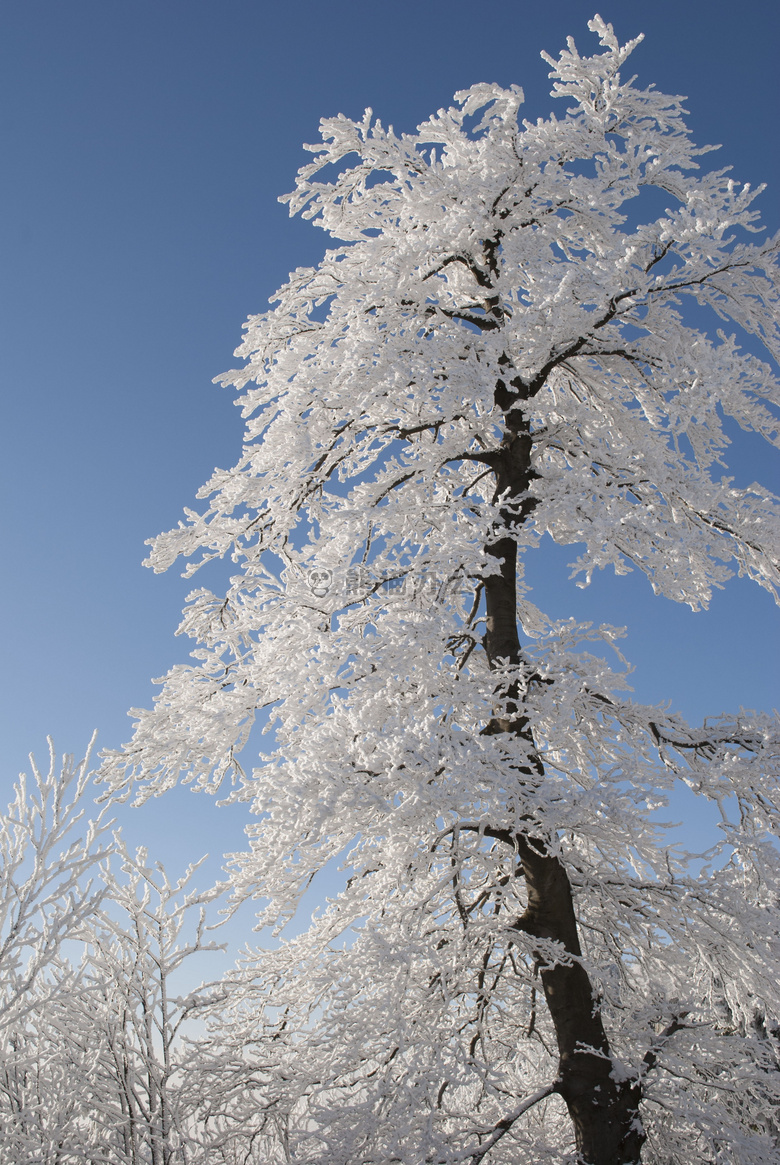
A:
x,y
49,850
100,1069
135,1015
498,346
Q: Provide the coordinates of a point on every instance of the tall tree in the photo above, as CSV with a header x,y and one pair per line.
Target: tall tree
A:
x,y
505,342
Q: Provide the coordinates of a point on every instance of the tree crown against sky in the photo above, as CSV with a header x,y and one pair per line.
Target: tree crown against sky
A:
x,y
120,127
626,462
508,340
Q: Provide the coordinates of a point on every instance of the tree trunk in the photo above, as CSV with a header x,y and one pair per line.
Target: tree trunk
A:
x,y
604,1111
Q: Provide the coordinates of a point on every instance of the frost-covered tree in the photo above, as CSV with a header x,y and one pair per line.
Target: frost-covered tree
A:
x,y
50,848
49,851
502,343
100,1070
134,1011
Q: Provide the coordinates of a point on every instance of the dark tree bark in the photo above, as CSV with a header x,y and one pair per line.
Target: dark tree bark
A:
x,y
604,1111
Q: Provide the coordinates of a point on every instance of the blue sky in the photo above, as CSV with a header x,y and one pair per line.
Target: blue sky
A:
x,y
145,145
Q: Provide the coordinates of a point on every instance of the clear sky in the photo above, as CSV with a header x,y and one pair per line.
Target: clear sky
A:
x,y
144,146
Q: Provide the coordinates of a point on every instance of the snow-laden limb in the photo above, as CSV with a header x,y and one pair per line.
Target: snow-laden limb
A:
x,y
50,847
497,346
506,1123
